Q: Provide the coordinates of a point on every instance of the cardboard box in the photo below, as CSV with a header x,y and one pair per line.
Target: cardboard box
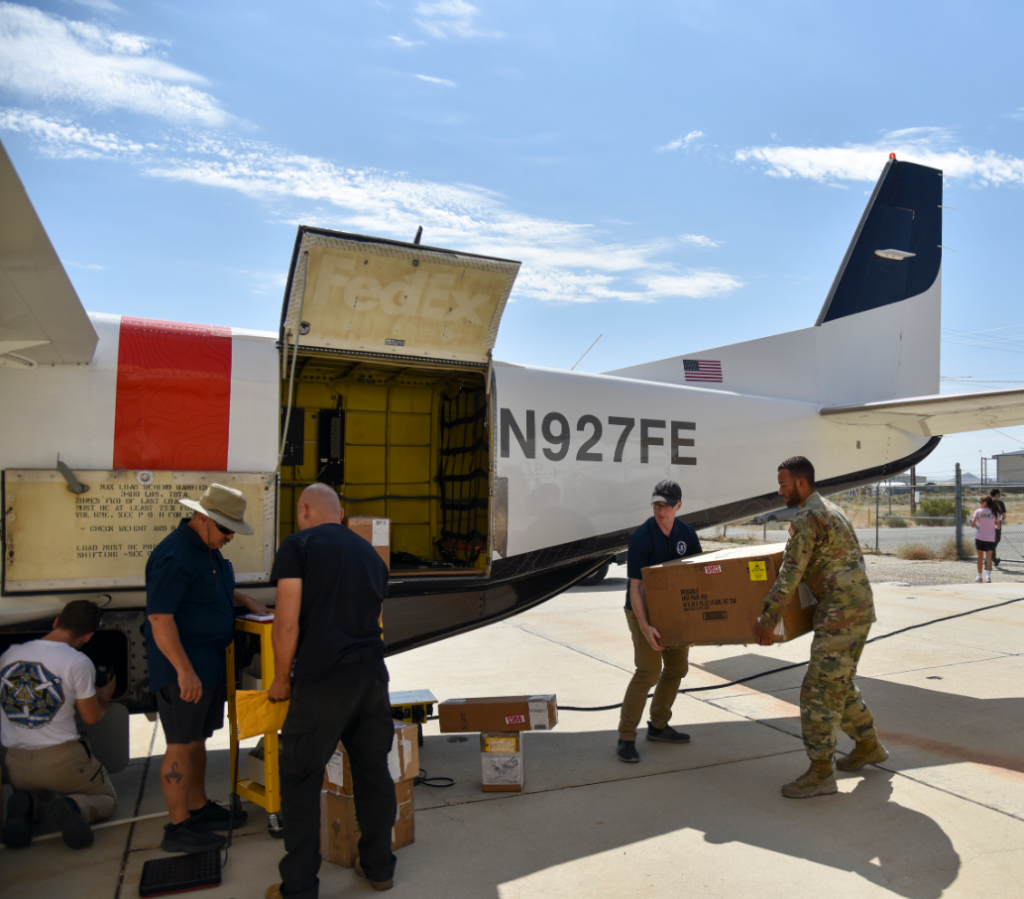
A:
x,y
254,764
403,761
715,598
376,531
501,760
498,714
339,829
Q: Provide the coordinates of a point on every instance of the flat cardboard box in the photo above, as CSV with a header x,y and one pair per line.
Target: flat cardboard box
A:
x,y
501,760
376,531
498,714
403,761
715,598
255,764
339,829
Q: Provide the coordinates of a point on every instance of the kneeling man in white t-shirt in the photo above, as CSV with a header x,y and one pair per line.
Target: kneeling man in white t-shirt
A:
x,y
42,683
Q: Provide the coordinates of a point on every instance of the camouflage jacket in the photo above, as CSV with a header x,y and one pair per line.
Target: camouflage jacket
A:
x,y
823,551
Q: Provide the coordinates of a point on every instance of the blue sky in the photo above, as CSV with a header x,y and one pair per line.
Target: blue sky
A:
x,y
673,175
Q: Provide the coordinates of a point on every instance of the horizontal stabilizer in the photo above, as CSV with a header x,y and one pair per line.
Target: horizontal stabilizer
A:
x,y
42,320
933,416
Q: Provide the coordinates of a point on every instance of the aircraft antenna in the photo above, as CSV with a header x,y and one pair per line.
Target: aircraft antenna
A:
x,y
589,348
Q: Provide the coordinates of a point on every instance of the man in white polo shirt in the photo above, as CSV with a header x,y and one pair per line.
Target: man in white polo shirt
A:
x,y
42,683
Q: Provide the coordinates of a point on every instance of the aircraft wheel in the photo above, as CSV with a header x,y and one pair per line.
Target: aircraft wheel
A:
x,y
597,576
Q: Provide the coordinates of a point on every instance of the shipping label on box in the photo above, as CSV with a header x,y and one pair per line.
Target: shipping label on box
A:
x,y
403,761
501,760
716,598
375,531
494,714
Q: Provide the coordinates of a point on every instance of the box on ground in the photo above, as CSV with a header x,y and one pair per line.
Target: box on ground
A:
x,y
403,761
498,714
376,531
716,597
501,760
255,764
339,829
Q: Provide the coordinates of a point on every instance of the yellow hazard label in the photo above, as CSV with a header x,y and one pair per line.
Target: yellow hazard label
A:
x,y
758,571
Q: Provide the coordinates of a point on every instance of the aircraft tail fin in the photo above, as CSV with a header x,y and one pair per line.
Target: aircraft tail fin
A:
x,y
877,335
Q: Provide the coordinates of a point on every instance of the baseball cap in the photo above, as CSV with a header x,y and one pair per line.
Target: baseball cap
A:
x,y
667,492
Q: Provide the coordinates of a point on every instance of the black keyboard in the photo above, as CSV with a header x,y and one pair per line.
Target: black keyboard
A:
x,y
179,873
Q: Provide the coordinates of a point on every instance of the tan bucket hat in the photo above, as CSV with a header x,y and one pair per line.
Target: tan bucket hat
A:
x,y
224,505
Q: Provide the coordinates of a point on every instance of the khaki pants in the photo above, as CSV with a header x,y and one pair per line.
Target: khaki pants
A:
x,y
68,769
666,669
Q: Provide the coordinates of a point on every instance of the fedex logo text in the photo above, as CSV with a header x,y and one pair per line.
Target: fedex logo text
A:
x,y
424,294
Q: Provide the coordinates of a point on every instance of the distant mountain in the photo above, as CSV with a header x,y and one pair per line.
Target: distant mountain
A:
x,y
968,478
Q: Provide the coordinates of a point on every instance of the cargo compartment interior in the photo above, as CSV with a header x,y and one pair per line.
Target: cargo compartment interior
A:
x,y
399,439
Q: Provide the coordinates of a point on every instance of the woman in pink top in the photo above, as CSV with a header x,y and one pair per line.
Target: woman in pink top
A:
x,y
985,520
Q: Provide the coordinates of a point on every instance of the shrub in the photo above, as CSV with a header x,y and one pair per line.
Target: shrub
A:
x,y
948,551
915,551
894,521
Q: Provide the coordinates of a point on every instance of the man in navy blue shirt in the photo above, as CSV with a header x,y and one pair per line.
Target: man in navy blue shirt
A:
x,y
190,599
661,538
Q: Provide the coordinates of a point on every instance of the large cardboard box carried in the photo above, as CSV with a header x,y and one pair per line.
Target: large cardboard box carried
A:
x,y
339,829
498,714
375,531
716,597
403,761
501,761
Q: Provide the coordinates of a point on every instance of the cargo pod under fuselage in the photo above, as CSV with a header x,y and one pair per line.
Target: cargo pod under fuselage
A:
x,y
385,367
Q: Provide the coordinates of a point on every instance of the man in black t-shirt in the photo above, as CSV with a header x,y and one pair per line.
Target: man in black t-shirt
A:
x,y
329,660
661,538
1001,509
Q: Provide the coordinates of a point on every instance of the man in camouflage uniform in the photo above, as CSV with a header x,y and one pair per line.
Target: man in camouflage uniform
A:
x,y
823,551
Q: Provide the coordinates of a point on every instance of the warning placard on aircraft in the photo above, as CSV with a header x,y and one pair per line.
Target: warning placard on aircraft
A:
x,y
58,540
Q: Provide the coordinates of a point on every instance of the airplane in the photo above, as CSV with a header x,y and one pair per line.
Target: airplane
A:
x,y
489,486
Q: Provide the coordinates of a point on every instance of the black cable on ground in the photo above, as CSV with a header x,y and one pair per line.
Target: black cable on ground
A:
x,y
439,782
750,677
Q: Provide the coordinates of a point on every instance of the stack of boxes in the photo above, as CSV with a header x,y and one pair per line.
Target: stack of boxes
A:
x,y
339,829
501,721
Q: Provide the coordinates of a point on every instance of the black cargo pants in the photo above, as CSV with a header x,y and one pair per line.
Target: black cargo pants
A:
x,y
349,704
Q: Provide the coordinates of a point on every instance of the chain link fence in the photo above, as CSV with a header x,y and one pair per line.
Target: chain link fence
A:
x,y
923,521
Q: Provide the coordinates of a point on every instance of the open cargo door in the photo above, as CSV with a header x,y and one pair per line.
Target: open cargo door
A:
x,y
353,294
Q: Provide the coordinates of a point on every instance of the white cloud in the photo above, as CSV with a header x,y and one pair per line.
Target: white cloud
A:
x,y
64,139
403,43
562,261
49,58
434,80
98,5
681,142
698,240
91,266
448,18
863,162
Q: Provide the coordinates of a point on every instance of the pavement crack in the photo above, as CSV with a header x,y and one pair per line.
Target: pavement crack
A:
x,y
135,814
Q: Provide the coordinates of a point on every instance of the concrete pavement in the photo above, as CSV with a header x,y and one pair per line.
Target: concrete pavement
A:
x,y
944,817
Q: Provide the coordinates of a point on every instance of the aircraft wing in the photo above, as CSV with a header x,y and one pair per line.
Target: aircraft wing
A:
x,y
41,318
932,416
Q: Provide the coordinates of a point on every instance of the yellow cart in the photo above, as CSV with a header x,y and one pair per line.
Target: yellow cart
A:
x,y
268,794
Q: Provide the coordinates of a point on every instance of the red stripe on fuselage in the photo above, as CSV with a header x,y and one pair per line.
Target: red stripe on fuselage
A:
x,y
173,396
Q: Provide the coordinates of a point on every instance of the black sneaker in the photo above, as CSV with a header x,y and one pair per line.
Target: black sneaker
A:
x,y
626,751
69,818
666,734
190,837
18,826
216,817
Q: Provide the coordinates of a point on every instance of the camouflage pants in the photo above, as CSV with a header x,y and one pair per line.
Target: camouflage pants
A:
x,y
829,699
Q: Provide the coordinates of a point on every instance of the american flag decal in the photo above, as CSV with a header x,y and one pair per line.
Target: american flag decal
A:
x,y
705,370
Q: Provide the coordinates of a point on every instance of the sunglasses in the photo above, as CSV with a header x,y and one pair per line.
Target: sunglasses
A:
x,y
225,531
